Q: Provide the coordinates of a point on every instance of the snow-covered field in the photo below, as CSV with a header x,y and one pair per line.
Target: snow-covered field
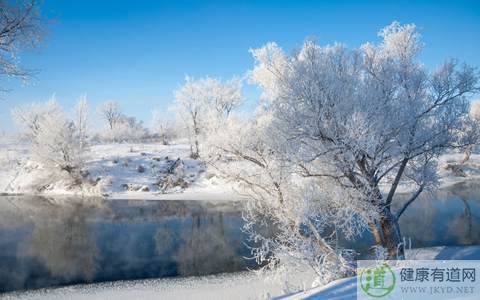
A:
x,y
120,171
243,285
142,171
156,171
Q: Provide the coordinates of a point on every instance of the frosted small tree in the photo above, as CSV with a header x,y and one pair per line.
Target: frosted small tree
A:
x,y
202,103
224,96
55,140
81,121
161,126
110,111
128,129
120,127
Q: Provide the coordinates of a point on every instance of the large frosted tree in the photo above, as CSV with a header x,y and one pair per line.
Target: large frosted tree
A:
x,y
336,134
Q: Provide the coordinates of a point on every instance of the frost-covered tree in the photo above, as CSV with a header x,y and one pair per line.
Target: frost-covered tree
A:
x,y
110,111
21,28
120,127
203,103
224,97
81,121
162,127
337,132
288,216
128,129
56,142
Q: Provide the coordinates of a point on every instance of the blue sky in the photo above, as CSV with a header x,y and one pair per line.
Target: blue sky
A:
x,y
138,52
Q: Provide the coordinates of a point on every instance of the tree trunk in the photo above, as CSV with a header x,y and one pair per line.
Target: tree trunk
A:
x,y
377,235
197,151
392,238
196,132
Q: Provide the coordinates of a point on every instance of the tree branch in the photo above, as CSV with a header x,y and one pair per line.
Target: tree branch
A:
x,y
413,198
396,181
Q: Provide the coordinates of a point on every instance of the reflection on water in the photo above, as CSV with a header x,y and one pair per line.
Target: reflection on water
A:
x,y
62,241
450,217
50,242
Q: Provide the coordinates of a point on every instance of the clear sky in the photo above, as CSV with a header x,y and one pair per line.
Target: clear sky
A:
x,y
138,52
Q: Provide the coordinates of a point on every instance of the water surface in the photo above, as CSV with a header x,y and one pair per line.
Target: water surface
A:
x,y
50,242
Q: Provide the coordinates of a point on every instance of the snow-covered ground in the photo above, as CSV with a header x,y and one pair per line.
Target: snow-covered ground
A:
x,y
142,171
156,171
243,285
346,288
120,171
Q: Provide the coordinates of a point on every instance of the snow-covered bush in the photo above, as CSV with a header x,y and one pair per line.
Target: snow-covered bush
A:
x,y
57,144
336,133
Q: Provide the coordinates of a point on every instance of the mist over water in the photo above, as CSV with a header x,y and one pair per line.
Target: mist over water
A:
x,y
50,242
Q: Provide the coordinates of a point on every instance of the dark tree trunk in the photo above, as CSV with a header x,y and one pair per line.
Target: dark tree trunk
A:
x,y
377,235
392,238
197,150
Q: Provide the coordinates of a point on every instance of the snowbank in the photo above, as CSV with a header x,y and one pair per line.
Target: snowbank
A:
x,y
347,288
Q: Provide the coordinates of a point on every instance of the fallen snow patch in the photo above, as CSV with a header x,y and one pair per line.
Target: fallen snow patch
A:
x,y
347,288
